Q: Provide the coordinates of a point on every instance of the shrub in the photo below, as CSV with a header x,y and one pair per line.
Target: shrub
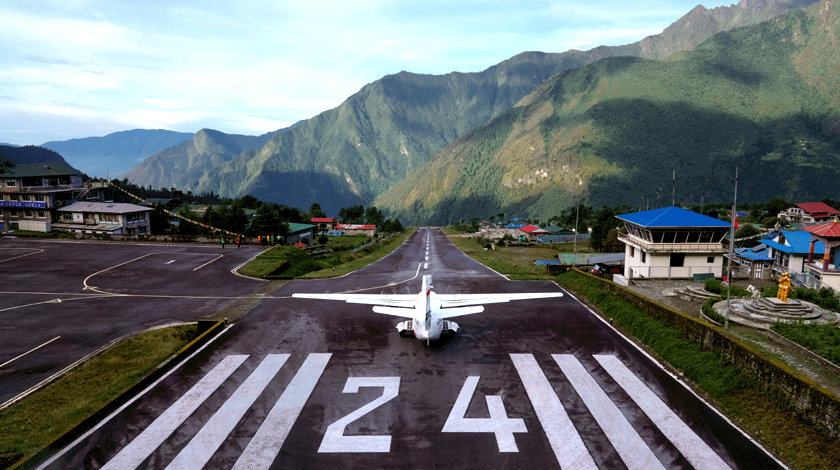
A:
x,y
710,311
713,286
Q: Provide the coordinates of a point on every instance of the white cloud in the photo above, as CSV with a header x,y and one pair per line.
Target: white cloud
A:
x,y
181,63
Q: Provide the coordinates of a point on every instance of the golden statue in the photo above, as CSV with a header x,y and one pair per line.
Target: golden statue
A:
x,y
784,287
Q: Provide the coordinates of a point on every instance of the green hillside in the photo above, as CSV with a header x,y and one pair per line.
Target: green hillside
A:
x,y
764,98
378,136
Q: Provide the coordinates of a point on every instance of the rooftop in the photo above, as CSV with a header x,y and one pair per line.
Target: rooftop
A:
x,y
817,208
829,230
104,207
671,217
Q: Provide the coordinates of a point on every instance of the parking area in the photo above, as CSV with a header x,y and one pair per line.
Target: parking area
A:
x,y
63,300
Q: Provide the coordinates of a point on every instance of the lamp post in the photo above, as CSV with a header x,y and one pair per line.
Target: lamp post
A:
x,y
731,254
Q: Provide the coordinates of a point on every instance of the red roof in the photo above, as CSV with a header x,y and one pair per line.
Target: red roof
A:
x,y
322,220
815,208
355,227
829,230
533,229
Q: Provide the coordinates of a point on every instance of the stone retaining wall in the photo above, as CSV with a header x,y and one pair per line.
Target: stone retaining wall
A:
x,y
812,401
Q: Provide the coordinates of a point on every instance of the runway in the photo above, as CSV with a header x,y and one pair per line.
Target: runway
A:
x,y
299,383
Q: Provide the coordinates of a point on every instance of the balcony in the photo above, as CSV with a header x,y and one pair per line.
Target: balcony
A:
x,y
671,247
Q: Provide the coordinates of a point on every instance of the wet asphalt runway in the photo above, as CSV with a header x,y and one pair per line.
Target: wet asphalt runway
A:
x,y
300,383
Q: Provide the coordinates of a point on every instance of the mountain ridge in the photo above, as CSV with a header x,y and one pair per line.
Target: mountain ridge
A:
x,y
763,98
376,137
115,153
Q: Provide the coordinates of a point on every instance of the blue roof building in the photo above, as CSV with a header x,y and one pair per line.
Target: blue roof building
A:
x,y
672,243
789,250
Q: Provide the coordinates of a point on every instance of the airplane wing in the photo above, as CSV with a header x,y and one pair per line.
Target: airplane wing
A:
x,y
460,300
388,300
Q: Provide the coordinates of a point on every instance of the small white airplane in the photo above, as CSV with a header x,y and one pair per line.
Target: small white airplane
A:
x,y
427,311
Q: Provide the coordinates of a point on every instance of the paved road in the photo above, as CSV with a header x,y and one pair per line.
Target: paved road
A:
x,y
299,383
61,301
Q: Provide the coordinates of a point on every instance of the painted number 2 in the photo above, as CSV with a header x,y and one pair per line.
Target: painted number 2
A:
x,y
498,422
334,438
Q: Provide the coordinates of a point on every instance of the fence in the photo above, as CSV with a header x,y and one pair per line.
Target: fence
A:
x,y
674,272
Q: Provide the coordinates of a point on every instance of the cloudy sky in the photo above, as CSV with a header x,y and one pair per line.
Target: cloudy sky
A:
x,y
82,68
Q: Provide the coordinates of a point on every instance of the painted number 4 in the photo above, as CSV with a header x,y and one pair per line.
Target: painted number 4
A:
x,y
498,422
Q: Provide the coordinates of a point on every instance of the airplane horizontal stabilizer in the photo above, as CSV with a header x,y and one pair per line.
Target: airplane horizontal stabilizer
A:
x,y
457,311
398,312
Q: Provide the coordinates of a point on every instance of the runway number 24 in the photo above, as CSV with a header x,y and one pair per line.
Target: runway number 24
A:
x,y
498,422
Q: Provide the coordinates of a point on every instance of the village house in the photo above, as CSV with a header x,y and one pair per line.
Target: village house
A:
x,y
808,213
104,217
820,271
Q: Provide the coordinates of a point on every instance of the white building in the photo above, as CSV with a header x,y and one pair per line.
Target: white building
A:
x,y
104,217
672,243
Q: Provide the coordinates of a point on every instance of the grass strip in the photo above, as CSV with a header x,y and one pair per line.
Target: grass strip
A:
x,y
737,393
822,340
290,262
350,262
513,261
49,413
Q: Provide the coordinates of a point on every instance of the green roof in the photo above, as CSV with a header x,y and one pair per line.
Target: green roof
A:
x,y
27,170
294,228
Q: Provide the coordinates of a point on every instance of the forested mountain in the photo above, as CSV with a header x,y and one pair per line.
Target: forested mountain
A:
x,y
394,125
188,161
765,98
114,154
28,154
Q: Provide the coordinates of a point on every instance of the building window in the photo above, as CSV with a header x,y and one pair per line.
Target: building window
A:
x,y
13,213
644,256
27,214
41,214
39,198
11,183
710,259
677,259
632,251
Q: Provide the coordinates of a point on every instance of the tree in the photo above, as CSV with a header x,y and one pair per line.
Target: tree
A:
x,y
315,211
373,216
776,205
604,222
352,214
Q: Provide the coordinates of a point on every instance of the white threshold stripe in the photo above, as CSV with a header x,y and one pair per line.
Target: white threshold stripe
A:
x,y
264,447
697,452
568,447
626,441
205,443
153,436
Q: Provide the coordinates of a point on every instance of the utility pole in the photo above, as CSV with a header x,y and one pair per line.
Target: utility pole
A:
x,y
574,261
731,251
